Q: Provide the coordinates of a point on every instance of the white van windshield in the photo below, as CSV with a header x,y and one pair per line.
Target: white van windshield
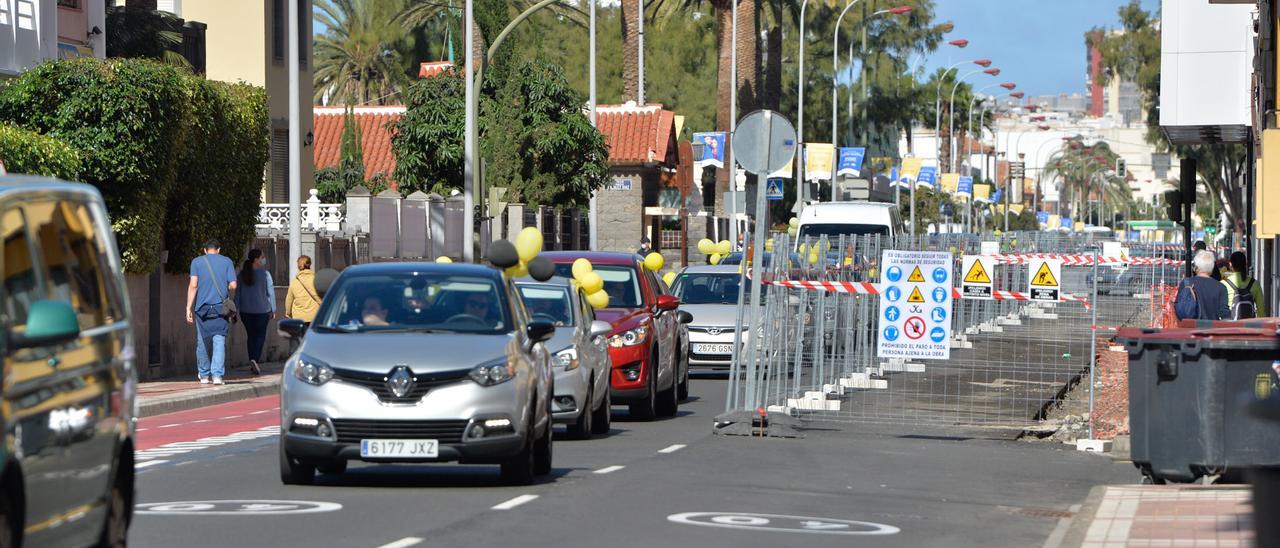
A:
x,y
832,230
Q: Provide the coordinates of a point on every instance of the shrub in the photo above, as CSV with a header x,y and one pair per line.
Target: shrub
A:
x,y
28,152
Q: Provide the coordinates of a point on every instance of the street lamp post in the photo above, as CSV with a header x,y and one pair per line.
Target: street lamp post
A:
x,y
900,10
469,141
295,145
937,100
835,85
951,112
594,211
733,126
799,161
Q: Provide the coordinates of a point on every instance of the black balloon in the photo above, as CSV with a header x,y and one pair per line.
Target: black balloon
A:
x,y
502,254
324,279
541,268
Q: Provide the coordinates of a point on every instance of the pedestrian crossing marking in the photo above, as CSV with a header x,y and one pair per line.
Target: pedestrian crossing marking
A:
x,y
977,274
915,297
916,276
1044,277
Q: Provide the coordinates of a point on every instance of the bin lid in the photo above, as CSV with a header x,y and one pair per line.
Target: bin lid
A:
x,y
1265,323
1213,337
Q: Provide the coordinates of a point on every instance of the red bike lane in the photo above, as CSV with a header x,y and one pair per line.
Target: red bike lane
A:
x,y
215,420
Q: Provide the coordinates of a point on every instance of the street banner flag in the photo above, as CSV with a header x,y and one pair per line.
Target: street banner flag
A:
x,y
1016,208
928,177
950,182
1042,217
982,193
712,149
851,161
911,167
1054,221
817,161
964,187
995,196
785,172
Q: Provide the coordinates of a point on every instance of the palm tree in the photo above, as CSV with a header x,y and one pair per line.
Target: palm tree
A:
x,y
1082,170
357,59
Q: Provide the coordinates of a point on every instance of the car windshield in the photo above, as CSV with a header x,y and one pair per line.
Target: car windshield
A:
x,y
620,283
548,303
415,301
708,288
834,230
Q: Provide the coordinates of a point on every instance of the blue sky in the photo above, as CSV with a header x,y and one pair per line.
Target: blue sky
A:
x,y
1037,43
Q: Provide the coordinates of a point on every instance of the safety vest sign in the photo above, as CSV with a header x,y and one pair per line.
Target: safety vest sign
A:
x,y
976,283
1045,281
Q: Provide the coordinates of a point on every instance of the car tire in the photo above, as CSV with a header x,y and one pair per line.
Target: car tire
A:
x,y
603,420
518,470
10,523
682,391
644,410
115,530
293,471
669,399
542,450
334,467
582,428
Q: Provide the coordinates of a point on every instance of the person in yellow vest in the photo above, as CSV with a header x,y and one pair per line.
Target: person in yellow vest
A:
x,y
302,302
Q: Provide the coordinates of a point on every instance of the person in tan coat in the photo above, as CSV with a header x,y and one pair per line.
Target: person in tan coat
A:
x,y
302,301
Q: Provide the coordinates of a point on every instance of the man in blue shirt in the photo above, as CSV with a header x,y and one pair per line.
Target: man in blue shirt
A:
x,y
213,279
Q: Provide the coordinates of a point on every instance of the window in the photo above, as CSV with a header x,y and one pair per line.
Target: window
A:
x,y
73,4
415,302
21,287
548,302
304,33
72,257
279,18
279,190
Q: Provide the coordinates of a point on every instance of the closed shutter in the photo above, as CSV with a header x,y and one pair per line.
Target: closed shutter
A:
x,y
171,6
279,166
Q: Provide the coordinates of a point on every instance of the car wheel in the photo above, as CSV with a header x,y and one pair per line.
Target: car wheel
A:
x,y
669,399
334,467
583,427
518,470
644,409
293,471
682,391
603,420
9,523
115,531
542,451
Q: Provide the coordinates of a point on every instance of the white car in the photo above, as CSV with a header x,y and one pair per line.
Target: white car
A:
x,y
710,293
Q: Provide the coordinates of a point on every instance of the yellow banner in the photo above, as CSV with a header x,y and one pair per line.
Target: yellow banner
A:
x,y
1079,226
818,161
1055,221
1016,208
950,182
911,167
787,172
982,193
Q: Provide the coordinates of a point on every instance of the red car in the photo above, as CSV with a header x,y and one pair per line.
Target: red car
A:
x,y
649,340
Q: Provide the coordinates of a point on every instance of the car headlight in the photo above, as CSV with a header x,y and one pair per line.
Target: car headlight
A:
x,y
312,371
567,358
492,373
629,338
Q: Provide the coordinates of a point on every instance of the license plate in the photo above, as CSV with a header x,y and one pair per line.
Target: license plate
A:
x,y
713,348
425,449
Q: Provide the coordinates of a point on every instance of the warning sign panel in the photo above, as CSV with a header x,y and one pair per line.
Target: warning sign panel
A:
x,y
915,308
1046,276
916,276
915,297
977,283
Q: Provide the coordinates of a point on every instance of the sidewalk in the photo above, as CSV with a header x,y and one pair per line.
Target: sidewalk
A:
x,y
157,397
1161,515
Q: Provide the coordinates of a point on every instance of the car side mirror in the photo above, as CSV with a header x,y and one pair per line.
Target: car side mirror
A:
x,y
49,323
292,328
600,328
540,331
668,302
684,317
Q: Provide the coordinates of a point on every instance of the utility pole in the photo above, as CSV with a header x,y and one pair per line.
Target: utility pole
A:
x,y
295,145
469,142
593,211
640,53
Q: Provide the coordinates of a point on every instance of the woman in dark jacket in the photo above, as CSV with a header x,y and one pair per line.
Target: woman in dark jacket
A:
x,y
256,301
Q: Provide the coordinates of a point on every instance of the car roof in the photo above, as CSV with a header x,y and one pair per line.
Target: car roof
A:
x,y
554,280
424,267
596,257
22,184
710,269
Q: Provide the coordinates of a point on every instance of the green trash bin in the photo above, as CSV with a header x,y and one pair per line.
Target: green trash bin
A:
x,y
1188,391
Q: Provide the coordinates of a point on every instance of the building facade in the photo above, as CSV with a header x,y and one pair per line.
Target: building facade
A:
x,y
35,31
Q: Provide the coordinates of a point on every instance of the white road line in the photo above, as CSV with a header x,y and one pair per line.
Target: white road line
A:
x,y
672,449
260,412
402,543
231,417
169,426
609,469
202,420
515,502
143,429
148,463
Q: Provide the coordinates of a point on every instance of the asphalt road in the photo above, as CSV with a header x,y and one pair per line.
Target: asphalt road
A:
x,y
665,483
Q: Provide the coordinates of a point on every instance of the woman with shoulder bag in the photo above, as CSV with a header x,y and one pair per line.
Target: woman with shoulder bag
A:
x,y
302,301
256,301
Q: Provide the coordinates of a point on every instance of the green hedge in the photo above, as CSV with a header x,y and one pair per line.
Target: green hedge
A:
x,y
28,152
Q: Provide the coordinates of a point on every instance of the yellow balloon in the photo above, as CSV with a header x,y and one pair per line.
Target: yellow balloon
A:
x,y
598,299
791,231
715,258
813,256
724,247
706,246
768,245
580,268
520,270
669,278
804,248
794,223
528,243
653,261
444,259
591,282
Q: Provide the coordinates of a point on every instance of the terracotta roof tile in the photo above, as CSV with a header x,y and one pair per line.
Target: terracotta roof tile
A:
x,y
432,68
378,157
638,134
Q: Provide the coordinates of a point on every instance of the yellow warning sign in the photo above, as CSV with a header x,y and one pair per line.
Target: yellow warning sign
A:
x,y
916,277
915,297
1044,277
977,274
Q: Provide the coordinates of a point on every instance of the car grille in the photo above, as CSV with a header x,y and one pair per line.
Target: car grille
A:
x,y
377,383
705,329
711,357
354,430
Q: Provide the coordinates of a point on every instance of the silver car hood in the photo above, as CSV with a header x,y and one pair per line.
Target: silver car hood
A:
x,y
422,353
721,315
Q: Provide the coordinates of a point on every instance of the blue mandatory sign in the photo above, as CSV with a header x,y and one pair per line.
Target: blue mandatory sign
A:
x,y
940,275
939,295
891,333
893,293
937,334
939,314
892,313
893,273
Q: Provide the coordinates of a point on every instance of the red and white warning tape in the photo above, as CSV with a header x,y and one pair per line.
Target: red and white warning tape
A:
x,y
1082,260
866,288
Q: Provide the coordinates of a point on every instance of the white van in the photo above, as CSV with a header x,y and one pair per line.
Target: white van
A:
x,y
833,219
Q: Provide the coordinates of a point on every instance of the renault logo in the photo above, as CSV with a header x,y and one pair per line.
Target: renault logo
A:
x,y
400,382
714,331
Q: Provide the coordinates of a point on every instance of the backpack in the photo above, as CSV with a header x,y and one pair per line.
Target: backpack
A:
x,y
1186,305
1244,307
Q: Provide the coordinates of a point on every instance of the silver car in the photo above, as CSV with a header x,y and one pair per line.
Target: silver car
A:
x,y
710,293
579,355
410,362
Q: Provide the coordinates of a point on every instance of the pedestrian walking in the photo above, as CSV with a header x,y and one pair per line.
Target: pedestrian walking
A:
x,y
1217,265
1244,294
256,300
302,301
1199,297
645,247
210,307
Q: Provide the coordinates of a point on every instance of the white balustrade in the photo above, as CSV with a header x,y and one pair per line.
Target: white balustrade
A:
x,y
315,215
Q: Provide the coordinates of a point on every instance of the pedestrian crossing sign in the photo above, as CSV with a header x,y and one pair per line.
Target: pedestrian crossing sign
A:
x,y
915,297
1045,280
773,189
916,276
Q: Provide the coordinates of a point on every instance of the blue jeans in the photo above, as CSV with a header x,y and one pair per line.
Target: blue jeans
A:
x,y
204,367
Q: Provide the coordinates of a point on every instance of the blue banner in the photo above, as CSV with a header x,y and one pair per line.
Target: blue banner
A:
x,y
712,149
966,186
1042,217
995,197
928,177
851,161
1066,222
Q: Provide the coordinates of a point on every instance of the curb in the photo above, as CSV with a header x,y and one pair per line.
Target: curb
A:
x,y
1072,531
173,404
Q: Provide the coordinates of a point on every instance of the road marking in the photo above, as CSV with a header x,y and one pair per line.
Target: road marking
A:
x,y
183,447
202,420
515,502
673,448
610,469
267,411
231,417
402,543
143,429
148,463
169,426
